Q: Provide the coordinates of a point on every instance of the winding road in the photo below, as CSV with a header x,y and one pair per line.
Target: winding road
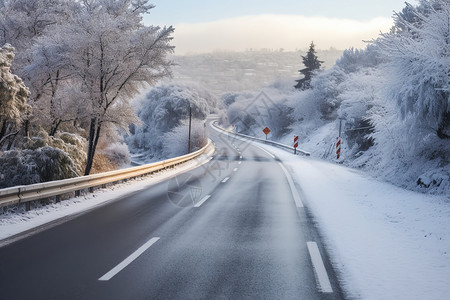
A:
x,y
233,228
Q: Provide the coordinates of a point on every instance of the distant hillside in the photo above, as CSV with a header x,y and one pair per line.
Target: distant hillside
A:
x,y
222,72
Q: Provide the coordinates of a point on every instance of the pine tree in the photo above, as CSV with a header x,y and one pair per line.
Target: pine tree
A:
x,y
311,63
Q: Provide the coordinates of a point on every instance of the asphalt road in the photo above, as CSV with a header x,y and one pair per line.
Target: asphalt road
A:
x,y
234,228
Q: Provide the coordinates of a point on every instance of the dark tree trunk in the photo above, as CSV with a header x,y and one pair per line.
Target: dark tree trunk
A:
x,y
26,127
444,127
11,142
94,135
3,129
55,127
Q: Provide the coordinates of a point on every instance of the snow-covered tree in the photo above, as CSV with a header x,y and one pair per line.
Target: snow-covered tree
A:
x,y
55,93
112,54
418,50
312,63
21,21
13,96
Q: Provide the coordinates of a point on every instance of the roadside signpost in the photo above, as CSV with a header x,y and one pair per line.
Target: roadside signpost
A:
x,y
266,131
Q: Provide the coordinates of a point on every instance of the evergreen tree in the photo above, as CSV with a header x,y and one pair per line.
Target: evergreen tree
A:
x,y
312,63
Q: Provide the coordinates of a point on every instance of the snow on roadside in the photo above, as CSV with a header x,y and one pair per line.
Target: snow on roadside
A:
x,y
386,242
15,223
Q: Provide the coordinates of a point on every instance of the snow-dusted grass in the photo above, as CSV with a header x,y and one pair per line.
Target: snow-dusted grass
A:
x,y
386,242
14,223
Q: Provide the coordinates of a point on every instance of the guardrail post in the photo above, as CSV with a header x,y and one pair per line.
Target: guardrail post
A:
x,y
28,206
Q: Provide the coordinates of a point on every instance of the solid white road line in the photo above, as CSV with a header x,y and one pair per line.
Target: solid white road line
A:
x,y
199,203
295,195
128,260
271,155
323,281
226,179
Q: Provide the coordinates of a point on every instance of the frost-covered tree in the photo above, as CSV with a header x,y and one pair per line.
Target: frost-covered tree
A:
x,y
21,21
112,54
419,63
13,96
312,63
54,90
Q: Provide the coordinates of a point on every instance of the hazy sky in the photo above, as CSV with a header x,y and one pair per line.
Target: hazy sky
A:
x,y
205,26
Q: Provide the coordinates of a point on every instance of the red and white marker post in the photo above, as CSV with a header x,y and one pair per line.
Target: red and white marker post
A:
x,y
295,143
338,147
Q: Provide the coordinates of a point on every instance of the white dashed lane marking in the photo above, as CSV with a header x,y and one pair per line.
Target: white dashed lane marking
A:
x,y
200,203
323,281
114,271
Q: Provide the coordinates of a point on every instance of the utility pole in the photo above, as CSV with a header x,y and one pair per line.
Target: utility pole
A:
x,y
338,140
340,125
190,125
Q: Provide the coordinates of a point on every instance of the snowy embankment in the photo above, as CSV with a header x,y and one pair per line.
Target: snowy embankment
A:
x,y
14,223
386,242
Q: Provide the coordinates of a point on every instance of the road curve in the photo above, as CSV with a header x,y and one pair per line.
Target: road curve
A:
x,y
234,228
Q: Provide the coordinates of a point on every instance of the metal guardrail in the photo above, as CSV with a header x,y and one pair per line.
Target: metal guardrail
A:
x,y
27,193
279,145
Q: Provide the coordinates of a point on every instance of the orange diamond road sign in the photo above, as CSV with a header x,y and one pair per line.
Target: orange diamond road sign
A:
x,y
266,130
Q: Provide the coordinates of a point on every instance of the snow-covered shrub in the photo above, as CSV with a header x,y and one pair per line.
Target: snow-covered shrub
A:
x,y
21,167
176,141
13,97
360,92
117,153
401,157
73,145
13,92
